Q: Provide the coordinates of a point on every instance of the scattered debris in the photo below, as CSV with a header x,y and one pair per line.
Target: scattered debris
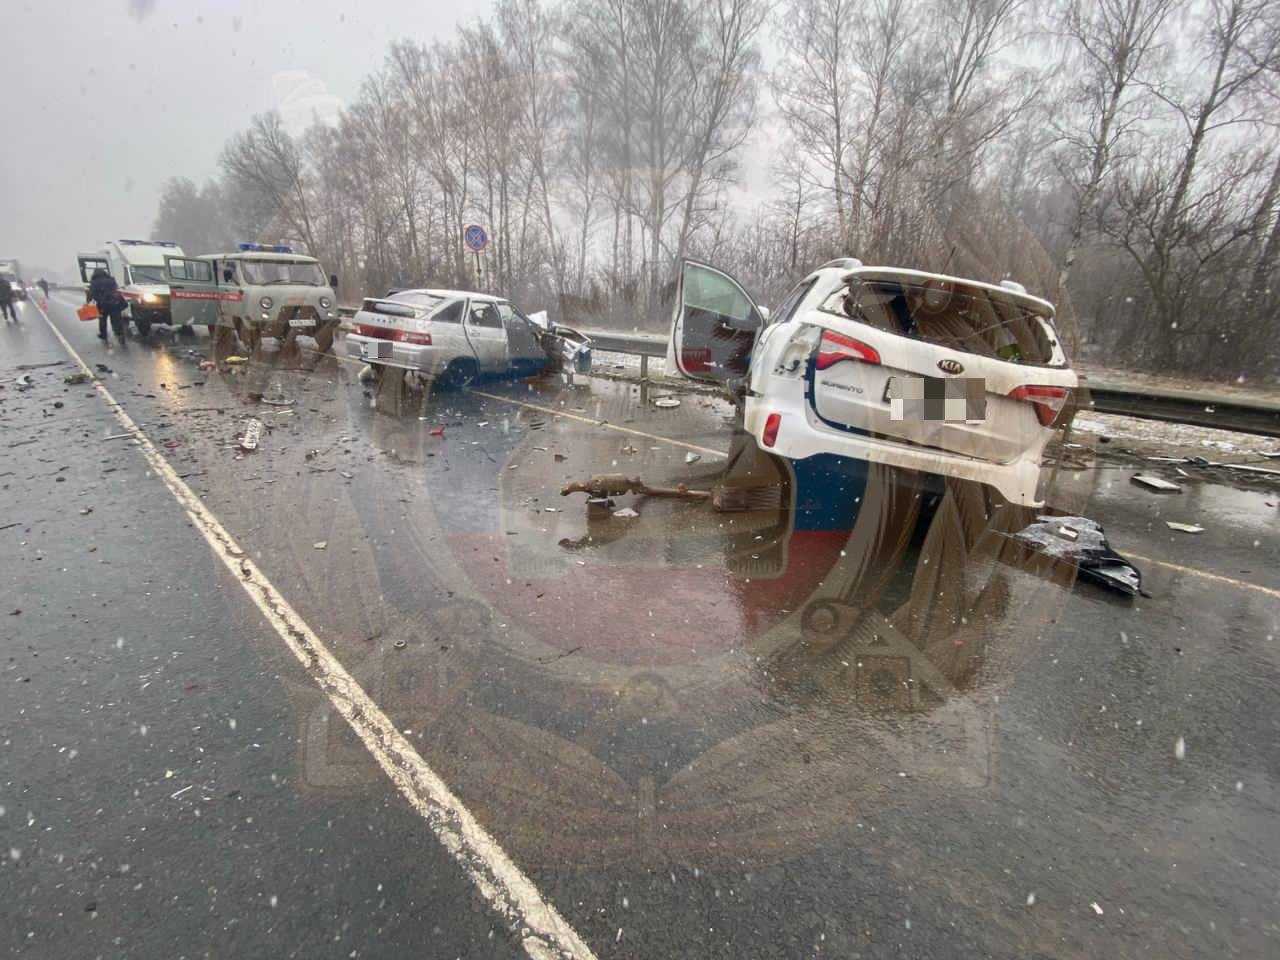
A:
x,y
1204,462
75,379
252,434
599,507
171,444
560,458
1184,527
24,382
1087,550
626,513
1155,483
436,432
692,457
666,403
320,545
616,484
116,436
1247,468
102,368
399,644
236,360
1096,909
85,511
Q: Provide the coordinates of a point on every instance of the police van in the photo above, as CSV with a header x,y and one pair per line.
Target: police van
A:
x,y
138,269
268,294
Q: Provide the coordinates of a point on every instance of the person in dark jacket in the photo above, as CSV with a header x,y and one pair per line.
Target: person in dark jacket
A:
x,y
106,294
6,300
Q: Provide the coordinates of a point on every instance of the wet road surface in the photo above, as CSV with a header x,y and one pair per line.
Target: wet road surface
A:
x,y
852,720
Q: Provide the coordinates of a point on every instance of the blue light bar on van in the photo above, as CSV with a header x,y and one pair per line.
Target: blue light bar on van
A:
x,y
265,248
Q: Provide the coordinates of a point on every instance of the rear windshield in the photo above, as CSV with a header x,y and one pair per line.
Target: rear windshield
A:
x,y
417,298
970,319
267,272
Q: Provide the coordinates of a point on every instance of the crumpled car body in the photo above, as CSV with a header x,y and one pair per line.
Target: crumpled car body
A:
x,y
455,336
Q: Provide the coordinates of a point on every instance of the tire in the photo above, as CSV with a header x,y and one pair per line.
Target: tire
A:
x,y
458,374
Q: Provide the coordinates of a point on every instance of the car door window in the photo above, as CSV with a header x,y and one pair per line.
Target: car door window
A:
x,y
200,271
486,315
786,310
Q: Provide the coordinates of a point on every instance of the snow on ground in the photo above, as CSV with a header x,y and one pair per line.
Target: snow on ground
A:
x,y
1187,440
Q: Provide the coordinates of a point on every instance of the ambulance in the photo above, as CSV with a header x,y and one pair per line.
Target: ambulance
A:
x,y
268,294
138,268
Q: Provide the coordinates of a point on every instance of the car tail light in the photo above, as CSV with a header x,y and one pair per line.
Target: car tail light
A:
x,y
1048,401
771,426
387,333
836,347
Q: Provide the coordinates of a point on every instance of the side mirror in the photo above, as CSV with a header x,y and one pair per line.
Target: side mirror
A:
x,y
333,282
765,314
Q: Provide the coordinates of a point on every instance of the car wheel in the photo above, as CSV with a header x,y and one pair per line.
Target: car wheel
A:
x,y
458,374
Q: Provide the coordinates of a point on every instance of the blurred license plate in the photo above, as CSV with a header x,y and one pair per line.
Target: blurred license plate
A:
x,y
301,322
950,399
378,350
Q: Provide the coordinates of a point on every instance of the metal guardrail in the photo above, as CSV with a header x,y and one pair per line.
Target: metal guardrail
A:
x,y
1178,406
1173,406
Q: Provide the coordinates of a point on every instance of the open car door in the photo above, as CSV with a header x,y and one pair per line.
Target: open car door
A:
x,y
193,292
89,263
714,326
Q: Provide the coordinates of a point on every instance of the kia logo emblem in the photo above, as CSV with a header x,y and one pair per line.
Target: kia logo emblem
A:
x,y
950,366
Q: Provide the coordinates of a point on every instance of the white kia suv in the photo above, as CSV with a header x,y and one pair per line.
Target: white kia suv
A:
x,y
921,371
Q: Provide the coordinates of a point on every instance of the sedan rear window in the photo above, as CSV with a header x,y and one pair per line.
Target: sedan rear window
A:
x,y
971,319
417,298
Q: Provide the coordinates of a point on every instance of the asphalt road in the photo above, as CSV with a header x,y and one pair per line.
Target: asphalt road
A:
x,y
851,721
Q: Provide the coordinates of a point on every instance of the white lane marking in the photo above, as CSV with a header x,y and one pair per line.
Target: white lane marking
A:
x,y
508,891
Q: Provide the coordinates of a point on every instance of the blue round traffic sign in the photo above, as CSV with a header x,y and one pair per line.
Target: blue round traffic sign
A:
x,y
474,237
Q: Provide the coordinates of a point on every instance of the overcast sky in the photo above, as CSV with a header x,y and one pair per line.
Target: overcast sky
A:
x,y
105,100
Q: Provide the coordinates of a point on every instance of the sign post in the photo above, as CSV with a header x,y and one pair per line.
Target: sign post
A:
x,y
476,240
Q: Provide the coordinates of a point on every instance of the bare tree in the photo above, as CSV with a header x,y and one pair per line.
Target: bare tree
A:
x,y
1109,44
264,162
